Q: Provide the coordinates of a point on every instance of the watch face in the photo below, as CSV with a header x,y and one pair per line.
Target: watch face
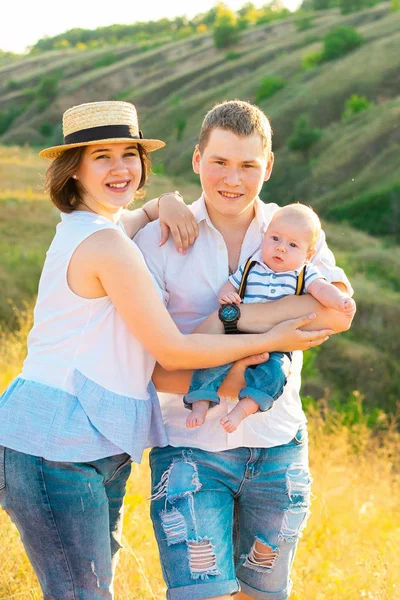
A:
x,y
230,312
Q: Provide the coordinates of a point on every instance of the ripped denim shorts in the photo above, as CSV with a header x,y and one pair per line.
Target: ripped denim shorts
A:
x,y
229,521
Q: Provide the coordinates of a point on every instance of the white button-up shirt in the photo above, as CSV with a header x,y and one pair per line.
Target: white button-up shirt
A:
x,y
190,284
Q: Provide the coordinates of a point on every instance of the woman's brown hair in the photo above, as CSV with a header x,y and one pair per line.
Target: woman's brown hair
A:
x,y
65,192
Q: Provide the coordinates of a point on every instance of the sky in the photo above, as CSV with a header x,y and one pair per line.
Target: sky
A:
x,y
23,24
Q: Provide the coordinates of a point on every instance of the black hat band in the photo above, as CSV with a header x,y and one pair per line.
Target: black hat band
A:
x,y
103,132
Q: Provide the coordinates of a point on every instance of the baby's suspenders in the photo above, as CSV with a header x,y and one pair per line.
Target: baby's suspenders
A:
x,y
250,264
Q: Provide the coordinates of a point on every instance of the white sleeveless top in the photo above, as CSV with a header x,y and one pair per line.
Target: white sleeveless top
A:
x,y
83,350
71,332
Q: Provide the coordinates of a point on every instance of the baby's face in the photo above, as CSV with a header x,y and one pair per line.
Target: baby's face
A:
x,y
286,244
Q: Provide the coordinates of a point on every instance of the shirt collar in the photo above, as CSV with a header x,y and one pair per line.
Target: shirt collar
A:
x,y
199,210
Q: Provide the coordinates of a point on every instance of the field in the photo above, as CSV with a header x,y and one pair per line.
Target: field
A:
x,y
350,547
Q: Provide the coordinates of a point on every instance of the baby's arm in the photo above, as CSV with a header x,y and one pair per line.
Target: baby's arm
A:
x,y
228,294
330,296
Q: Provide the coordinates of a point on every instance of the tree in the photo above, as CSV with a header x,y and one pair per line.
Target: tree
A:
x,y
226,32
304,136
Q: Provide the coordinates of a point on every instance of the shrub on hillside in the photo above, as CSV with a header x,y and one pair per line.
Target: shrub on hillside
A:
x,y
311,60
8,116
46,129
226,31
181,123
232,55
46,91
104,61
376,212
304,21
304,135
337,43
268,87
12,84
354,105
341,41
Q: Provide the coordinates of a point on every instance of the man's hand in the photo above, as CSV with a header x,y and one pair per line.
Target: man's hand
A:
x,y
235,380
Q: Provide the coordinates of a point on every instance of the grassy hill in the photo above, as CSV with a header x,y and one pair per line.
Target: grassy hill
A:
x,y
175,83
350,175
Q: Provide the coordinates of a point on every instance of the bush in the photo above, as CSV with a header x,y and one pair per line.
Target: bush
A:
x,y
340,42
104,61
232,55
268,87
376,212
8,116
46,129
180,126
354,105
304,136
12,85
304,21
311,60
46,91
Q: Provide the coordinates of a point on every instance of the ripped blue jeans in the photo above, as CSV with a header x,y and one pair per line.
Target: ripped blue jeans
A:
x,y
230,520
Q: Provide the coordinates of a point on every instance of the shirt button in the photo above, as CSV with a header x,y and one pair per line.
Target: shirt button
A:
x,y
273,276
273,291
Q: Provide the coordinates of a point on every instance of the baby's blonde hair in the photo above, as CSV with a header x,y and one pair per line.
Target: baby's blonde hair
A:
x,y
298,212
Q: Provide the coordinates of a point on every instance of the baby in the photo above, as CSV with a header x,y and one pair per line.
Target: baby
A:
x,y
287,249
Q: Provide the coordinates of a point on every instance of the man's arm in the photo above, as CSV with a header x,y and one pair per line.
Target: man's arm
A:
x,y
175,217
257,318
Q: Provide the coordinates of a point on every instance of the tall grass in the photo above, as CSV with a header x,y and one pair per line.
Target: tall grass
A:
x,y
349,549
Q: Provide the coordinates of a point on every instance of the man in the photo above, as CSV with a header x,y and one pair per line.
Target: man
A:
x,y
228,509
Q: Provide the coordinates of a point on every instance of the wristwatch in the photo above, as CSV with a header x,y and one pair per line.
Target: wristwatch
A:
x,y
229,315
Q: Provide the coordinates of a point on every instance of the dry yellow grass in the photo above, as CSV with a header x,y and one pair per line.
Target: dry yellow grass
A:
x,y
349,549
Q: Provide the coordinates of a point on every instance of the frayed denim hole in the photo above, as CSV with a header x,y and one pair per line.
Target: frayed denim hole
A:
x,y
294,521
174,526
262,557
179,480
202,559
298,481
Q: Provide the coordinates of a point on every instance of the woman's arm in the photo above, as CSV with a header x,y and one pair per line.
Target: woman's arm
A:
x,y
174,215
123,276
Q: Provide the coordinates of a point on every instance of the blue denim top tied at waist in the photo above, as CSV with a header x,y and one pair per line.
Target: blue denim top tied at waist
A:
x,y
94,423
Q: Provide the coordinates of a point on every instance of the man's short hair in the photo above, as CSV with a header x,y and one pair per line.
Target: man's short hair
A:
x,y
242,118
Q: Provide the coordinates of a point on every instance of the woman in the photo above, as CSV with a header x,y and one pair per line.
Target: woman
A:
x,y
83,406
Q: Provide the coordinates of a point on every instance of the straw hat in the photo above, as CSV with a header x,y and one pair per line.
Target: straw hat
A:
x,y
93,123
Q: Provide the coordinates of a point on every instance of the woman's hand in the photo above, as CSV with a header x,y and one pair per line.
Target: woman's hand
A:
x,y
235,380
177,218
290,337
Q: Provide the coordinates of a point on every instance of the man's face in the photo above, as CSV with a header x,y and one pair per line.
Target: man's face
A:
x,y
232,171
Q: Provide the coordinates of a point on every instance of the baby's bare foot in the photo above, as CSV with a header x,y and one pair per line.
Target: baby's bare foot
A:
x,y
243,409
197,414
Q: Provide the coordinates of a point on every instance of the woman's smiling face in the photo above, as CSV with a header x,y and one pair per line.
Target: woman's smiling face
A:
x,y
109,175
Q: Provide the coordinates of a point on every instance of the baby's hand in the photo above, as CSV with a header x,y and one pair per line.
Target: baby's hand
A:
x,y
230,298
347,305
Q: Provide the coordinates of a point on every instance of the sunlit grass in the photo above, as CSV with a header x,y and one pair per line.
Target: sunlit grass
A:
x,y
349,549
